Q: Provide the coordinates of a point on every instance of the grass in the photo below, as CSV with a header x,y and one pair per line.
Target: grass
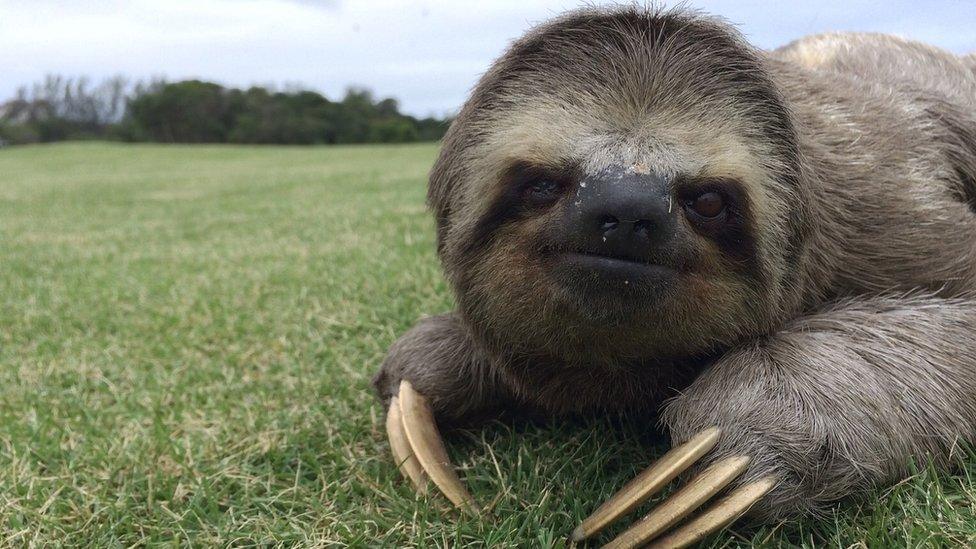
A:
x,y
186,340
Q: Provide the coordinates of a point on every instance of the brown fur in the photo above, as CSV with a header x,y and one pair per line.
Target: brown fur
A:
x,y
838,346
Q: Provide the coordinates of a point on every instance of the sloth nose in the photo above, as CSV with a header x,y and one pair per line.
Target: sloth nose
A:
x,y
641,228
622,214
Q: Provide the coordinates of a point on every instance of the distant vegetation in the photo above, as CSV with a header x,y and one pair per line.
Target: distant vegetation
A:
x,y
193,111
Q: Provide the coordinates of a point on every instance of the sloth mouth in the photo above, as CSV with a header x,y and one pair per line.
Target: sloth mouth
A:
x,y
611,288
614,257
615,268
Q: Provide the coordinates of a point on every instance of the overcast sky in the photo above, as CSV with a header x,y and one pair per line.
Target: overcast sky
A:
x,y
426,53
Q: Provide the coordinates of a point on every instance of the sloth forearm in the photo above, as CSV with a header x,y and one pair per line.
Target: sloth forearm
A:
x,y
843,400
442,362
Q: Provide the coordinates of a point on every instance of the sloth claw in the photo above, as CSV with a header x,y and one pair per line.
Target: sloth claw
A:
x,y
644,485
402,453
686,500
718,516
691,496
419,450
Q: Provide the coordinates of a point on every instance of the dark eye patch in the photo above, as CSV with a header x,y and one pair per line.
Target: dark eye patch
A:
x,y
719,209
539,185
542,192
525,188
708,205
709,200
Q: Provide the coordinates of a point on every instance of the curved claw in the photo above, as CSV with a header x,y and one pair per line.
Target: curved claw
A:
x,y
693,495
425,441
718,516
644,485
400,446
689,498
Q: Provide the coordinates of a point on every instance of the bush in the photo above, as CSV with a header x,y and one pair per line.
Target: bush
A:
x,y
184,112
195,111
18,134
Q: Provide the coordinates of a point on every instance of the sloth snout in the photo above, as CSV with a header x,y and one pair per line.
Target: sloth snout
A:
x,y
622,214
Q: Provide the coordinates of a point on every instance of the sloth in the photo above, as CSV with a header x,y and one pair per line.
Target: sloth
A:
x,y
771,255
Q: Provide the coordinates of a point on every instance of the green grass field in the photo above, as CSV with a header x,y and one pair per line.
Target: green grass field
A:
x,y
186,340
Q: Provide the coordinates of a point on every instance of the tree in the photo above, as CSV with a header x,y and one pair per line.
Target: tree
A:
x,y
184,112
194,111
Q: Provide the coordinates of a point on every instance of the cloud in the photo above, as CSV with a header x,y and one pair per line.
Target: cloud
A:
x,y
326,4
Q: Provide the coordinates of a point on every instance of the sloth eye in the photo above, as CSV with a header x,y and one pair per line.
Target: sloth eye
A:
x,y
542,191
708,205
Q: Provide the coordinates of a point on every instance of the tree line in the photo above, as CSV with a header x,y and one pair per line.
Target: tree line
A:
x,y
195,111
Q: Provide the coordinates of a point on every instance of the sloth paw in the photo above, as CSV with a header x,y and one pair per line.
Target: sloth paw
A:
x,y
418,449
684,502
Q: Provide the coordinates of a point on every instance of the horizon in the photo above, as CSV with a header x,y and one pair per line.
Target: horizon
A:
x,y
425,54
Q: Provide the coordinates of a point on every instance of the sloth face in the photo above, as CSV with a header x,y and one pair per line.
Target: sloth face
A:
x,y
627,238
621,186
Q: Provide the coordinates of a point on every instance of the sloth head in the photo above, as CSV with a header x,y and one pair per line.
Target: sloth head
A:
x,y
624,185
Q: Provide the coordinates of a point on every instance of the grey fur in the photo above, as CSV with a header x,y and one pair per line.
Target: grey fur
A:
x,y
841,350
843,400
970,61
888,60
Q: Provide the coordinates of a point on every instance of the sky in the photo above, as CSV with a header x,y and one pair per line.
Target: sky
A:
x,y
426,53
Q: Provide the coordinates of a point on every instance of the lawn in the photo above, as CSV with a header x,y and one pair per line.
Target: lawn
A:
x,y
187,336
